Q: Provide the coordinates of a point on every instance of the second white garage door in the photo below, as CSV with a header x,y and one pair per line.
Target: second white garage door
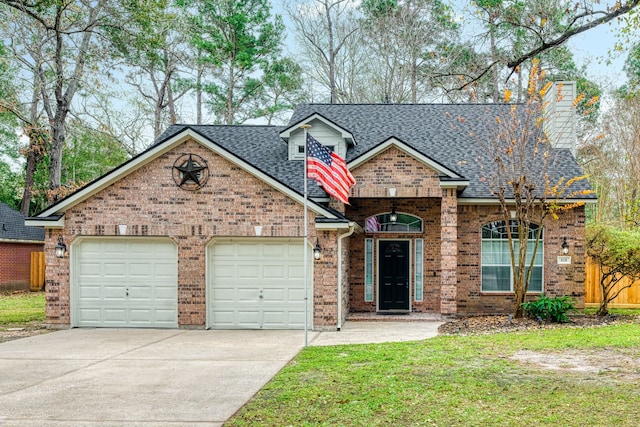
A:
x,y
125,282
256,284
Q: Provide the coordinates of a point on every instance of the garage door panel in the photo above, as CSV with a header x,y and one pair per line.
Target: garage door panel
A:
x,y
248,271
223,295
274,272
142,269
111,292
142,293
165,293
224,272
90,292
89,315
296,272
225,318
244,295
126,283
274,295
295,295
274,250
248,319
241,251
256,283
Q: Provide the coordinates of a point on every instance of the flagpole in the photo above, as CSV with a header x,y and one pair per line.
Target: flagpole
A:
x,y
306,245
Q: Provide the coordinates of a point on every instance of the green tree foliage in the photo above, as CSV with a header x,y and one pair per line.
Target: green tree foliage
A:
x,y
612,159
519,31
617,252
88,154
155,50
10,181
56,45
10,185
239,42
283,90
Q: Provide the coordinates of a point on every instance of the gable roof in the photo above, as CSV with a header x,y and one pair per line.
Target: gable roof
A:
x,y
430,132
293,126
12,226
436,132
245,146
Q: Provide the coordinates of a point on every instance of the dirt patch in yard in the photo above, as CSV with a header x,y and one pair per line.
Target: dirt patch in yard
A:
x,y
611,363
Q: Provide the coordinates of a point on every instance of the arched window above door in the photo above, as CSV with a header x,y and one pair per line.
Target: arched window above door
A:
x,y
404,223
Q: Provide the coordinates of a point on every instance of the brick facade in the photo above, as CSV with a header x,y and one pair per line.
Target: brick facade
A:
x,y
150,204
429,211
233,202
394,168
452,242
557,279
15,265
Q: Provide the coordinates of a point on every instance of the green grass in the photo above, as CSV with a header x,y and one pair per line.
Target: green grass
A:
x,y
455,381
21,308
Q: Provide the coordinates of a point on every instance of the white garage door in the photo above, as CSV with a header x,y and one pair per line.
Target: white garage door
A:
x,y
256,284
125,282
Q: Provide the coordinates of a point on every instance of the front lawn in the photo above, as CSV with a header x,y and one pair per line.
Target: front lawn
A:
x,y
559,377
19,308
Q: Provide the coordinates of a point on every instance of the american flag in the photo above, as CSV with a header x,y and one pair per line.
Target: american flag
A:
x,y
328,169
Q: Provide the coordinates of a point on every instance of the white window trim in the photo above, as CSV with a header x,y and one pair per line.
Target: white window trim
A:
x,y
510,291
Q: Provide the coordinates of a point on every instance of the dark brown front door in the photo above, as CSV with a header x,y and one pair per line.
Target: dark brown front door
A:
x,y
393,256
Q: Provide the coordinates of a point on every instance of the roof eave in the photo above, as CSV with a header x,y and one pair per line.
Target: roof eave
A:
x,y
156,151
348,136
442,170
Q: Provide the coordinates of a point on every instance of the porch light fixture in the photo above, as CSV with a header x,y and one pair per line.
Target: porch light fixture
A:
x,y
60,248
317,251
565,246
394,215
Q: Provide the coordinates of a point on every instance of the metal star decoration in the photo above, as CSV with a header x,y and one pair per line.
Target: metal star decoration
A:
x,y
190,173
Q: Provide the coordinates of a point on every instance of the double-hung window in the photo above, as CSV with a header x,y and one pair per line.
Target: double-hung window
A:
x,y
497,274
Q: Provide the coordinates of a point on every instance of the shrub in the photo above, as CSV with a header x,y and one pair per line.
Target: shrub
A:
x,y
550,309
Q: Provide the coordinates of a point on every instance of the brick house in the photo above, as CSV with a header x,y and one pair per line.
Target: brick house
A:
x,y
203,229
17,241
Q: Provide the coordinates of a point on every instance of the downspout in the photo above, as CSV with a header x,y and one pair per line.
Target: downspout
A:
x,y
340,237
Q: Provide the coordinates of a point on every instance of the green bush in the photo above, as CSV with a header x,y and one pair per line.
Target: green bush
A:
x,y
550,309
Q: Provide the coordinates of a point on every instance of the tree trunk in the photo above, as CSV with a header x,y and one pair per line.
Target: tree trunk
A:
x,y
199,95
33,158
55,153
494,58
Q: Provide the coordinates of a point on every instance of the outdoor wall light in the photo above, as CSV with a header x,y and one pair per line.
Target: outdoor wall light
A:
x,y
317,251
565,246
394,215
60,248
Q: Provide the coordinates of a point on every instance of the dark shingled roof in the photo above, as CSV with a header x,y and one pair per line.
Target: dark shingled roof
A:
x,y
438,131
260,146
12,226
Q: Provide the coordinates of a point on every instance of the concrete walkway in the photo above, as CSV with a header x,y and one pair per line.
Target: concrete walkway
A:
x,y
151,377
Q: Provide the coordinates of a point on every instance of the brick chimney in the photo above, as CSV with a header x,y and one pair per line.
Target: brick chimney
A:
x,y
560,115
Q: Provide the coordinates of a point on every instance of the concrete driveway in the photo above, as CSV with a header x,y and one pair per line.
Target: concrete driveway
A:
x,y
151,377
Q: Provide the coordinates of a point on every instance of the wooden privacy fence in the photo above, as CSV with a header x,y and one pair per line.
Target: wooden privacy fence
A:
x,y
37,270
593,295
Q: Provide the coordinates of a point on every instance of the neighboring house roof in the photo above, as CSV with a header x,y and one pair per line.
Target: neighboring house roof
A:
x,y
12,226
